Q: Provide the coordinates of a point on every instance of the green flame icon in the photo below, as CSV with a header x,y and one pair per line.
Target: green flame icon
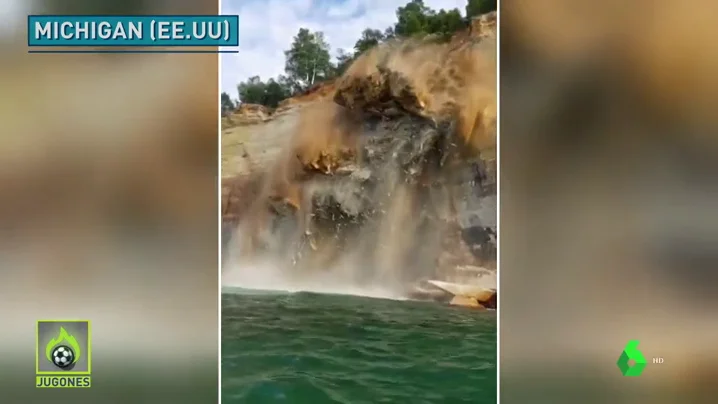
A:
x,y
62,338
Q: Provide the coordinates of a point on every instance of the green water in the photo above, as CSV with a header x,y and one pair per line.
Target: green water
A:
x,y
313,349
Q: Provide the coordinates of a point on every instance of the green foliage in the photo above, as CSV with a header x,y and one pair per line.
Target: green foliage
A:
x,y
252,90
445,23
289,85
227,103
308,60
344,59
369,39
275,92
413,19
271,93
478,7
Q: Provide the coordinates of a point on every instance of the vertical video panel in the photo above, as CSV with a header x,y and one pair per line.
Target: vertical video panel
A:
x,y
359,199
608,236
109,212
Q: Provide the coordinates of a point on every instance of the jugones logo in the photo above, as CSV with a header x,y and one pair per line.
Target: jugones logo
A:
x,y
63,353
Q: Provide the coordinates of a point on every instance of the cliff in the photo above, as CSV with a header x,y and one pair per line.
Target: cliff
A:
x,y
390,167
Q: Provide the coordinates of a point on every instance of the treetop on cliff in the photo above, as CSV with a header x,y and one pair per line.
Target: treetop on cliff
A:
x,y
308,60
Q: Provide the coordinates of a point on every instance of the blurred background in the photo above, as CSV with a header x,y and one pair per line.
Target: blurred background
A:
x,y
609,225
108,174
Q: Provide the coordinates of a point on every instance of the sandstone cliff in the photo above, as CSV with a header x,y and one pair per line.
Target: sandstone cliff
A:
x,y
390,166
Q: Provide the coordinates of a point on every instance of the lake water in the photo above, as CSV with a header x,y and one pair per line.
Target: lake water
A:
x,y
319,348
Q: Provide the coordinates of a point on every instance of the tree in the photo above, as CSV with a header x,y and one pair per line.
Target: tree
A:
x,y
478,7
227,103
415,18
252,91
445,23
308,59
274,93
412,19
270,94
344,59
369,39
290,85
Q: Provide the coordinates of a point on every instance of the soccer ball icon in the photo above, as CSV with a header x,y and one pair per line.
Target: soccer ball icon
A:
x,y
62,356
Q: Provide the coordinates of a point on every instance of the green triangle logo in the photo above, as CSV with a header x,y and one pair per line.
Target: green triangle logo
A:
x,y
631,353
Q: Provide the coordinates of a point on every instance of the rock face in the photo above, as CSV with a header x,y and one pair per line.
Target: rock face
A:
x,y
323,90
483,26
388,171
237,195
247,114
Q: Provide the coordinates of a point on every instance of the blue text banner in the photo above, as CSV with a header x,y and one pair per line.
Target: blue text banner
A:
x,y
157,30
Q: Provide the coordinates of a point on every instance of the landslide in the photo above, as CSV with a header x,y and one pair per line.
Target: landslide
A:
x,y
383,166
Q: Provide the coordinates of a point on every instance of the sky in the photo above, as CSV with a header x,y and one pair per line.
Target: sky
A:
x,y
266,29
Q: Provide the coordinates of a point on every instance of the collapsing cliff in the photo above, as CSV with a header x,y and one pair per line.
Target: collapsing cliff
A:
x,y
387,180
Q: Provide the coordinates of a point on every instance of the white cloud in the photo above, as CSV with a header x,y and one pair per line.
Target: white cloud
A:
x,y
266,29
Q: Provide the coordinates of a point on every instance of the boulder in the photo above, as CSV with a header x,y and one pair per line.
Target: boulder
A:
x,y
466,302
479,292
247,114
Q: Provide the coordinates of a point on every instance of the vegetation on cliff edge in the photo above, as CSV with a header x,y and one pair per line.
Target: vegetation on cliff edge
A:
x,y
308,62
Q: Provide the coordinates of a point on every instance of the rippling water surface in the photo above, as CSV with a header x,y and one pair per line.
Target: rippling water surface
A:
x,y
312,348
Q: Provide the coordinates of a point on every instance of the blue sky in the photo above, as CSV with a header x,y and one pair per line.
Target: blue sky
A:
x,y
266,29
